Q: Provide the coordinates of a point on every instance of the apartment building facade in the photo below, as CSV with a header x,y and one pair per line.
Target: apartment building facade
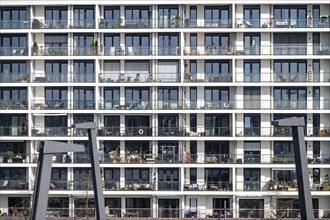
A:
x,y
183,96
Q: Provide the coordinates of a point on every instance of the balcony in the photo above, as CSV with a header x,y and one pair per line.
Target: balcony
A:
x,y
168,51
138,131
125,77
83,105
168,185
14,77
49,132
49,51
13,51
170,131
128,185
49,104
14,184
13,105
170,105
49,24
138,105
14,24
13,131
82,24
59,184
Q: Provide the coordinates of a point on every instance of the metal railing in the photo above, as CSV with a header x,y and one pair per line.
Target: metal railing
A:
x,y
13,51
14,77
13,105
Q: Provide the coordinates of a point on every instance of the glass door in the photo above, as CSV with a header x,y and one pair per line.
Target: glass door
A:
x,y
251,179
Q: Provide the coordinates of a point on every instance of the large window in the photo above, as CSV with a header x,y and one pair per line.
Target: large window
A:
x,y
13,98
56,44
137,44
112,178
13,45
136,98
137,17
217,71
290,71
217,178
137,125
251,71
252,14
218,149
111,98
112,44
168,44
56,71
114,205
82,44
56,17
55,95
216,98
251,179
13,71
168,179
252,97
165,13
252,44
13,18
216,44
217,125
169,208
217,16
290,16
290,44
168,98
83,17
168,71
83,71
294,98
137,175
251,208
83,98
169,125
138,207
59,206
57,125
59,177
111,16
252,125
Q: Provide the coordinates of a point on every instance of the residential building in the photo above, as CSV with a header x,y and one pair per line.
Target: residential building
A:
x,y
183,96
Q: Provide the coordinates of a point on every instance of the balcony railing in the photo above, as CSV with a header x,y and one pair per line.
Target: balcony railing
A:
x,y
83,104
13,131
14,77
14,24
50,131
13,51
168,185
49,24
14,184
82,24
13,105
49,104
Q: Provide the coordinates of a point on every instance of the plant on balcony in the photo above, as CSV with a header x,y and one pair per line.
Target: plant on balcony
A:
x,y
35,49
176,20
67,158
93,47
9,155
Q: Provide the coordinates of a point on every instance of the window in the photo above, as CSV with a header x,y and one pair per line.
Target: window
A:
x,y
168,208
13,18
56,44
192,17
83,17
216,98
290,44
13,98
252,15
251,71
290,16
13,173
83,98
283,152
136,175
111,15
168,98
138,207
217,178
168,71
111,72
168,125
251,44
61,204
137,17
251,179
168,44
114,205
111,176
134,125
56,71
290,98
168,179
252,152
111,98
57,125
56,17
82,45
59,177
165,13
252,97
219,208
217,71
12,71
251,125
140,44
11,125
216,44
193,175
112,45
220,149
135,97
111,125
13,45
316,16
137,71
251,208
55,95
83,71
290,71
217,16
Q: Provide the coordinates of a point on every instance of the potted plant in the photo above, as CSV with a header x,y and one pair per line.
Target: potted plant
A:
x,y
35,48
9,155
68,158
92,47
176,20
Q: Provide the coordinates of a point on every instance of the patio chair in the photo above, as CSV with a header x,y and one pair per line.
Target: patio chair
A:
x,y
4,184
130,51
112,51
